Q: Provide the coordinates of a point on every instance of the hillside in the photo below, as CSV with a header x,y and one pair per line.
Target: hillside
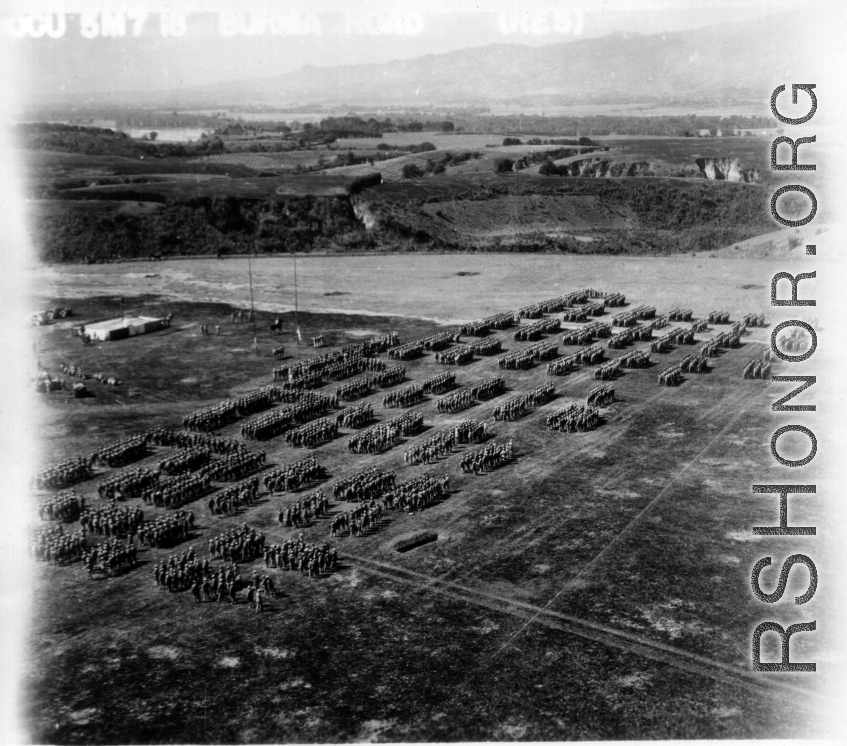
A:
x,y
726,63
471,212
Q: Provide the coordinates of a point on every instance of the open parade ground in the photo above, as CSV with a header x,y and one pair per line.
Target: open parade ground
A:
x,y
588,583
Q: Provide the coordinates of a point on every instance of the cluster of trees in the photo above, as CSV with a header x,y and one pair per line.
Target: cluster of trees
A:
x,y
70,138
582,141
436,165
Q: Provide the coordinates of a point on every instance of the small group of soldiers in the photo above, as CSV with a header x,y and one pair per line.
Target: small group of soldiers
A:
x,y
374,440
180,574
63,474
162,436
455,356
440,383
112,520
236,317
111,557
179,491
303,511
363,485
354,389
293,476
204,330
490,457
64,507
511,410
121,453
417,493
379,437
209,418
229,500
312,434
307,559
456,401
235,466
357,416
389,376
404,397
601,395
363,518
237,544
128,483
54,546
442,443
574,418
184,460
166,529
518,360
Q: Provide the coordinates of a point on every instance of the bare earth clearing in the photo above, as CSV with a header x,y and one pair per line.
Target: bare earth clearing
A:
x,y
596,587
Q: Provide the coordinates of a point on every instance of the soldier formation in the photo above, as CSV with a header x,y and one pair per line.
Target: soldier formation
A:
x,y
188,473
404,397
574,418
313,434
357,416
442,443
380,437
455,356
63,474
415,494
294,476
233,498
484,459
64,507
304,510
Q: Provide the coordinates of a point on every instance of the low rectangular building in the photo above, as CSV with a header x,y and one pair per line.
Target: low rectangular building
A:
x,y
121,328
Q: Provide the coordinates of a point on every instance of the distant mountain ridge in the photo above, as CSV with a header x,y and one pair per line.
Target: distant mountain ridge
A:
x,y
735,61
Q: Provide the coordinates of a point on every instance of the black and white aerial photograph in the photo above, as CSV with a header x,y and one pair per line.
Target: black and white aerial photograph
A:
x,y
386,372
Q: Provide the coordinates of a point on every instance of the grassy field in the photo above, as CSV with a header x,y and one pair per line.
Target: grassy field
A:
x,y
597,587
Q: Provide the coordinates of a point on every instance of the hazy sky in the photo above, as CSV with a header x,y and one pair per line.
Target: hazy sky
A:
x,y
212,46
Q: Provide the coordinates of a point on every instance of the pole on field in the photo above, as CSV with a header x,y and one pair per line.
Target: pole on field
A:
x,y
296,321
252,314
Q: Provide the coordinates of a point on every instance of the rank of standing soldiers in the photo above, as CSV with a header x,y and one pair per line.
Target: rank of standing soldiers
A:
x,y
417,347
455,356
379,437
483,459
304,510
233,498
219,415
309,406
294,476
574,417
63,474
342,363
405,397
64,507
516,407
442,443
358,416
313,434
363,485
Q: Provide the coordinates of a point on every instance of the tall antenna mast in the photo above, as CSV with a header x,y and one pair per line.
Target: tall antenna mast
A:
x,y
252,314
296,321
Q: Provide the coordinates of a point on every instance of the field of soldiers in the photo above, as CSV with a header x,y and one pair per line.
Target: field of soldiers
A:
x,y
531,524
